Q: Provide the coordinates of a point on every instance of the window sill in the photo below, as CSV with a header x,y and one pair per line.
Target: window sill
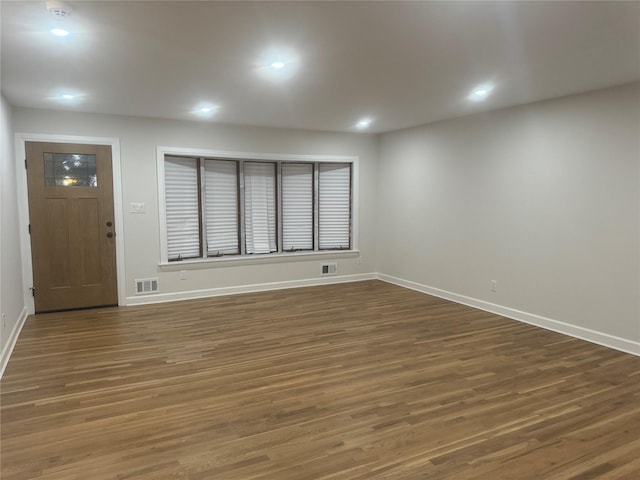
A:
x,y
273,258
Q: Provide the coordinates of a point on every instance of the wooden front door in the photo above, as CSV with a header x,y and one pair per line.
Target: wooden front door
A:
x,y
72,225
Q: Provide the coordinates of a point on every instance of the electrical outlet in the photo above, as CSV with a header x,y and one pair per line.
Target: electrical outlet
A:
x,y
494,285
359,260
183,274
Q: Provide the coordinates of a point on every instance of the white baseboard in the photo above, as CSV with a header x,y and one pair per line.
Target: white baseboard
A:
x,y
604,339
11,341
258,287
600,338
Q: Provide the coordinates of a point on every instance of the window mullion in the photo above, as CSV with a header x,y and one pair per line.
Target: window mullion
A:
x,y
279,223
316,235
243,249
350,206
202,212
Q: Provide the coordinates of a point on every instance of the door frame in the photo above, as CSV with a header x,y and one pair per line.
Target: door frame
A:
x,y
23,206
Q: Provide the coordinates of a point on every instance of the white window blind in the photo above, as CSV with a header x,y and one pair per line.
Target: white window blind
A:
x,y
334,198
271,206
181,194
260,207
221,207
297,206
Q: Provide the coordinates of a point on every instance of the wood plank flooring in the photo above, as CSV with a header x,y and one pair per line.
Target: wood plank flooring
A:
x,y
353,381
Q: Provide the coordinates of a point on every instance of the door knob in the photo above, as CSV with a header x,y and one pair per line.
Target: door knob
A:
x,y
109,234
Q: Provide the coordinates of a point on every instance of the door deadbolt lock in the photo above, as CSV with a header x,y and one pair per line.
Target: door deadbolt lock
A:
x,y
109,223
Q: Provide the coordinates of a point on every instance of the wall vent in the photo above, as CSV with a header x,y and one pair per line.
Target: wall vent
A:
x,y
147,285
329,269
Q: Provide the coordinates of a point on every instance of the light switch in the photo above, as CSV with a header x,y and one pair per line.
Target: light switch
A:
x,y
137,208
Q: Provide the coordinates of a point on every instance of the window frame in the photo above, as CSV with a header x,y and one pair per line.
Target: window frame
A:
x,y
243,258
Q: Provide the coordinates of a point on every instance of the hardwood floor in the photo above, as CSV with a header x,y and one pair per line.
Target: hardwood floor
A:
x,y
352,381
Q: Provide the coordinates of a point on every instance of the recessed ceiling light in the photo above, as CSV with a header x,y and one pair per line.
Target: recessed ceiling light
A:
x,y
59,32
364,123
278,63
205,110
480,93
66,96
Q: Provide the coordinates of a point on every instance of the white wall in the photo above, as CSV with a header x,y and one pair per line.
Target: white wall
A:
x,y
11,294
542,198
139,138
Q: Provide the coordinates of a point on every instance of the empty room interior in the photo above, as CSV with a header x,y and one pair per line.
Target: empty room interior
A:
x,y
320,240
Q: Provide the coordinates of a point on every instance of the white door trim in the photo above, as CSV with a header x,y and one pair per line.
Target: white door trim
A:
x,y
23,206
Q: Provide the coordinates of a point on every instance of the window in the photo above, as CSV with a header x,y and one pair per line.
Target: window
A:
x,y
221,207
297,206
260,207
334,192
216,207
182,206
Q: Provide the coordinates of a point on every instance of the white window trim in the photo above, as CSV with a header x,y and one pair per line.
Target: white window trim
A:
x,y
164,263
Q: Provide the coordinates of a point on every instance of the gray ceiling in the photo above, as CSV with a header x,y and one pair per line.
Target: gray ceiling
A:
x,y
399,63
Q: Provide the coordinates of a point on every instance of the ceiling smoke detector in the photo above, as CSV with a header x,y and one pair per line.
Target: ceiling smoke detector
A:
x,y
59,10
